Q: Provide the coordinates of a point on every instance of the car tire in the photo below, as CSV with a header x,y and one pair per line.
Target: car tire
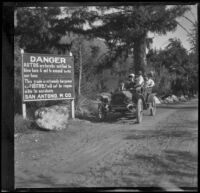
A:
x,y
139,110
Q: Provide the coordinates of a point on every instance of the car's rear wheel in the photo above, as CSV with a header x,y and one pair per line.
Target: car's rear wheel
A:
x,y
139,111
153,106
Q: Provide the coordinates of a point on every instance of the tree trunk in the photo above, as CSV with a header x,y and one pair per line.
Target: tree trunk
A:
x,y
139,54
80,70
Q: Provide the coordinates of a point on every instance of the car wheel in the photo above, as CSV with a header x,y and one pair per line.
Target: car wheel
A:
x,y
139,111
153,107
101,113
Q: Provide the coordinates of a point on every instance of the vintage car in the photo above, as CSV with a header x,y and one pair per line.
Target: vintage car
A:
x,y
132,101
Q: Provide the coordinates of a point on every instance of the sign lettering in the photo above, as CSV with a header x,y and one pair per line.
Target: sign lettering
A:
x,y
47,77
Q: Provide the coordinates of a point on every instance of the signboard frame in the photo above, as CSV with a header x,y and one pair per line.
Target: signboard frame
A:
x,y
31,100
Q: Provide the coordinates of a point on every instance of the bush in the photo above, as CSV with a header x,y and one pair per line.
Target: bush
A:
x,y
22,125
85,107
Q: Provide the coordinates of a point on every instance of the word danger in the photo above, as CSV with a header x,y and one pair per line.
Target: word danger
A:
x,y
47,59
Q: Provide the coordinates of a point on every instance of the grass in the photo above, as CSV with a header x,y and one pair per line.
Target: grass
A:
x,y
22,125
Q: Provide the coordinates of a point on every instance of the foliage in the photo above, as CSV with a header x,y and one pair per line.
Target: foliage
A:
x,y
174,65
35,26
17,77
193,38
22,125
126,27
41,30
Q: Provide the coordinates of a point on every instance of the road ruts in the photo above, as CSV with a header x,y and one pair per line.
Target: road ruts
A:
x,y
162,150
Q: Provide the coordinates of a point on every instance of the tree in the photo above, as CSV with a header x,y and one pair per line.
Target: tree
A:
x,y
126,27
36,31
36,28
179,69
17,76
86,52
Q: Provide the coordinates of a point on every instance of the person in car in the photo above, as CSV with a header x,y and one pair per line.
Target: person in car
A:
x,y
139,82
149,83
130,84
140,79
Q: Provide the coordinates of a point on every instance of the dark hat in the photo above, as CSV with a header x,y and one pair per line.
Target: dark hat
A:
x,y
131,75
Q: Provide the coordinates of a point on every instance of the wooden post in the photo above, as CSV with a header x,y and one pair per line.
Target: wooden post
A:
x,y
24,110
73,109
23,104
73,100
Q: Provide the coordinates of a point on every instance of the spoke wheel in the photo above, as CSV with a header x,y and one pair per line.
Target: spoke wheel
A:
x,y
153,107
101,113
139,111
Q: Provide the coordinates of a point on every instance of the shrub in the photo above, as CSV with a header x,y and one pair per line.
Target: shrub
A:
x,y
85,107
22,125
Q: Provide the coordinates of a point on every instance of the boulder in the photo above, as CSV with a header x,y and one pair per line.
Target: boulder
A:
x,y
157,100
182,98
175,98
52,118
169,100
165,101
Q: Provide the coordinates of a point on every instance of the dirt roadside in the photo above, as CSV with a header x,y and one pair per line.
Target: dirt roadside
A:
x,y
114,153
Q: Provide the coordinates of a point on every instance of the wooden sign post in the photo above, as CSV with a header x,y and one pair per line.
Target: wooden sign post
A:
x,y
73,108
23,103
73,101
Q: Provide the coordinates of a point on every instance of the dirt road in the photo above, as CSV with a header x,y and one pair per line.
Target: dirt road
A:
x,y
159,152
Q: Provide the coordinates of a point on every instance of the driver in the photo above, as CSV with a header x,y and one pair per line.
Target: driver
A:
x,y
130,84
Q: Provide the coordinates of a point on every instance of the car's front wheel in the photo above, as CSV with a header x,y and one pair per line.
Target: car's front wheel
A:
x,y
101,112
139,111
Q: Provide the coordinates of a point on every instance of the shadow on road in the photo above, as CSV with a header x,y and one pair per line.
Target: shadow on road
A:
x,y
179,166
162,134
177,107
111,118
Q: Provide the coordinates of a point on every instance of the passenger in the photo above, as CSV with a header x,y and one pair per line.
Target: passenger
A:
x,y
139,79
139,82
149,83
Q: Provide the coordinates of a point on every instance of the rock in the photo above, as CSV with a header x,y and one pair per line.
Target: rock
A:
x,y
52,118
157,100
182,98
175,98
186,97
168,100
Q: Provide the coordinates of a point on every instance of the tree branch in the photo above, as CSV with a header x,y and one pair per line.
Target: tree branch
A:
x,y
189,20
183,27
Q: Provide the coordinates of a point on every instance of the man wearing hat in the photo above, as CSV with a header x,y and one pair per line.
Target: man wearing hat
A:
x,y
131,82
